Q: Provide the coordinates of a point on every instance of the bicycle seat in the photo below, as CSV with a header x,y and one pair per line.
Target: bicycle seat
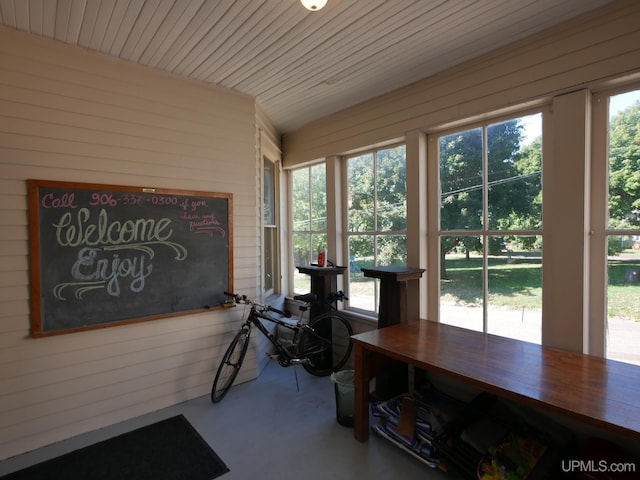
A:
x,y
306,298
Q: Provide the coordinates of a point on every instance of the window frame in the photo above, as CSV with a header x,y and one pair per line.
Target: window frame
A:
x,y
310,232
269,227
269,152
434,205
599,216
373,314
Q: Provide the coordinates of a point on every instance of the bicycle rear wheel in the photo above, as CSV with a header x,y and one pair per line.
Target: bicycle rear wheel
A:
x,y
326,342
230,365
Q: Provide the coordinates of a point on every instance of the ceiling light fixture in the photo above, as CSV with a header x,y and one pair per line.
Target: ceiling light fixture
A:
x,y
313,5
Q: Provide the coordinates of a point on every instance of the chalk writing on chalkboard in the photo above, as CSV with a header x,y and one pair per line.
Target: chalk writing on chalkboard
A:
x,y
103,255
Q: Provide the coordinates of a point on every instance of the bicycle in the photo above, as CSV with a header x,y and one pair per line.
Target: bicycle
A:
x,y
321,346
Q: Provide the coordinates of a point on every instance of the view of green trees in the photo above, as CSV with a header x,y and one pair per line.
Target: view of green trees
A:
x,y
376,214
624,213
515,203
514,178
624,169
309,213
377,210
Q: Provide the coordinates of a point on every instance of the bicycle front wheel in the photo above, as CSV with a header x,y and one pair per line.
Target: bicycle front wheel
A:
x,y
230,365
326,343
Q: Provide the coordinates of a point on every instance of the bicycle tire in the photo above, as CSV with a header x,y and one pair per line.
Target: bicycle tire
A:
x,y
230,365
326,343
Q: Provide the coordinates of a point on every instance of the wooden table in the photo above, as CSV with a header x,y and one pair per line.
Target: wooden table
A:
x,y
599,392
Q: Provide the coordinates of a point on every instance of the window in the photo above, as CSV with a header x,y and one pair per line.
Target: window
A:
x,y
376,219
619,283
270,222
490,229
309,203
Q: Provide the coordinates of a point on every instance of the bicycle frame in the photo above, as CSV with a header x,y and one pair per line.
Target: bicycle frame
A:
x,y
257,311
312,344
285,357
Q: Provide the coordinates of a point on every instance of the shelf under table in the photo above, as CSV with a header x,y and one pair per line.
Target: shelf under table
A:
x,y
596,391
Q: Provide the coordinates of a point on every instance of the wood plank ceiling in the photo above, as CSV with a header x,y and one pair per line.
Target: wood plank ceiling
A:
x,y
299,65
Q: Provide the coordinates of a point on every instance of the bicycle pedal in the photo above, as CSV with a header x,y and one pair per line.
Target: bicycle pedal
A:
x,y
300,361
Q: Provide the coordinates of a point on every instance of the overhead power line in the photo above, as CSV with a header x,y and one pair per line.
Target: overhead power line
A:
x,y
492,183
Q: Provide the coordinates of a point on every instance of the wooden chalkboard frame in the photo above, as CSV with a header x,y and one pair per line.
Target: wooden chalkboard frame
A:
x,y
179,222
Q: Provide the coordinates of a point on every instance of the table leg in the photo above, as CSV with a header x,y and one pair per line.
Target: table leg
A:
x,y
367,364
361,396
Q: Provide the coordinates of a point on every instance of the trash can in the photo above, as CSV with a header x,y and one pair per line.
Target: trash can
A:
x,y
344,387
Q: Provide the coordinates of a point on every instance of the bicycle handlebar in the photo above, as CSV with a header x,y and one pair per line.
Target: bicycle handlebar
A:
x,y
243,299
236,297
265,308
339,296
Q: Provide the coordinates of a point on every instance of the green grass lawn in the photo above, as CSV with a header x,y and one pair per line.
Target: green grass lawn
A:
x,y
514,284
623,296
518,283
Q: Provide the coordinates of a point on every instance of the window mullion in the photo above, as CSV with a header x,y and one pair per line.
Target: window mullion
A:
x,y
375,219
485,227
310,203
375,194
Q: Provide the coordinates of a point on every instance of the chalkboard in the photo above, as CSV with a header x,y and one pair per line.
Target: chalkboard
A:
x,y
106,255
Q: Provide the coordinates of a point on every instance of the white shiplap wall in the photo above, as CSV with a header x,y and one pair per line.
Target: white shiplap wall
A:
x,y
67,114
589,51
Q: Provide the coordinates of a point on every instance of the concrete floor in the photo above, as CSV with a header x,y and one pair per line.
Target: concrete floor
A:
x,y
623,336
266,429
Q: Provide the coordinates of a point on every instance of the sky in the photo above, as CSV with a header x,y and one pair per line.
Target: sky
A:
x,y
533,123
532,127
620,102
